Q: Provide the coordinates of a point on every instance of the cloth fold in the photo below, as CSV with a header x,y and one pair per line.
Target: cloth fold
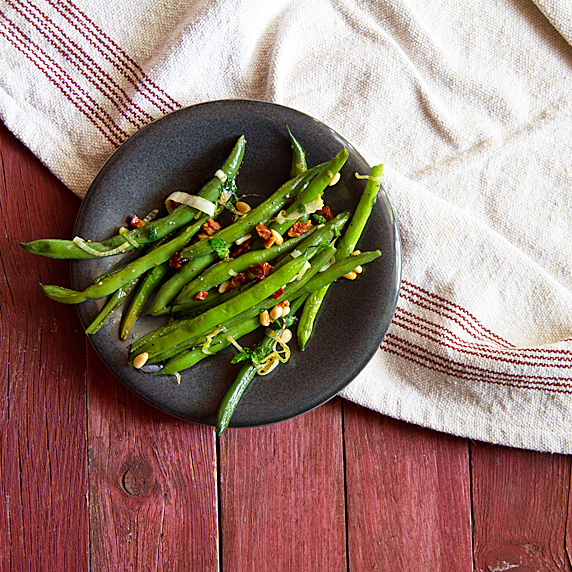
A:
x,y
467,106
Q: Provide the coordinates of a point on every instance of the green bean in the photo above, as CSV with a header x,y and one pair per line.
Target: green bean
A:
x,y
246,375
312,191
188,358
338,270
289,292
322,235
361,215
299,164
171,288
259,214
155,334
106,274
141,296
195,307
155,230
127,273
188,311
309,315
346,246
210,319
116,300
221,271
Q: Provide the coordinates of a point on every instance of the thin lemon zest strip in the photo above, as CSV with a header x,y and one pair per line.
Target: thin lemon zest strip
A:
x,y
235,343
283,346
81,243
271,361
267,364
125,234
369,177
152,215
207,344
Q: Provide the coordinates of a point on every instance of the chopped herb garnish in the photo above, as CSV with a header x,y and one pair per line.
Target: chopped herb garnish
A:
x,y
220,247
231,189
255,356
319,219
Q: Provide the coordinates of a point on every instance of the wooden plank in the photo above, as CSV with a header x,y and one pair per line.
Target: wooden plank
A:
x,y
43,464
282,495
519,509
408,496
153,483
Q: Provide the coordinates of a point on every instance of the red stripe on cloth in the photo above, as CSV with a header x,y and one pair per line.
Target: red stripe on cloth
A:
x,y
440,330
426,300
412,352
61,79
452,311
421,363
112,52
439,334
76,56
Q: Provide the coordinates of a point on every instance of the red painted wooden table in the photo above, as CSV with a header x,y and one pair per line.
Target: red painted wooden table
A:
x,y
92,478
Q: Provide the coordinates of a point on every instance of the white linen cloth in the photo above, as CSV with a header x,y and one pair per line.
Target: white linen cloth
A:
x,y
467,104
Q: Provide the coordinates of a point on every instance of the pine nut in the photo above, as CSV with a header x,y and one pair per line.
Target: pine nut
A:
x,y
140,360
334,180
275,313
269,242
278,239
286,336
265,318
285,310
358,269
242,207
350,275
356,252
223,286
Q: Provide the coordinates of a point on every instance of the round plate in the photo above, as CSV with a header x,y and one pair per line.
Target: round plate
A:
x,y
182,151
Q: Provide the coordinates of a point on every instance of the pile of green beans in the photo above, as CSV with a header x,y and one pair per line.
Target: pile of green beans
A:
x,y
204,318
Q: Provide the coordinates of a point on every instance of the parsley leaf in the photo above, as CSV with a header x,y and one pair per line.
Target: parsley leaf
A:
x,y
220,247
319,219
282,323
255,356
289,320
231,188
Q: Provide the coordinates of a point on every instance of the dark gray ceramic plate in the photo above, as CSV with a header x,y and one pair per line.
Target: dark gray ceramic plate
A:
x,y
182,151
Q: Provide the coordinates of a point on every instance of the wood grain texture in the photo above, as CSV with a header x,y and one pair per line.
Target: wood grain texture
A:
x,y
153,483
520,501
408,496
282,495
43,469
